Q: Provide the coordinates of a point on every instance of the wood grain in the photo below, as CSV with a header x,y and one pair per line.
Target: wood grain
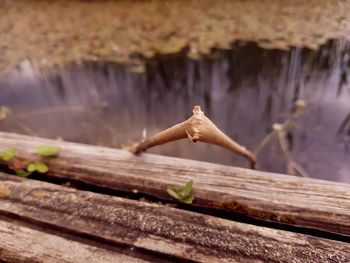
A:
x,y
158,228
303,202
22,244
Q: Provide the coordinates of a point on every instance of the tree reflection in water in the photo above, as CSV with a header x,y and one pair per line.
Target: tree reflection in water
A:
x,y
244,91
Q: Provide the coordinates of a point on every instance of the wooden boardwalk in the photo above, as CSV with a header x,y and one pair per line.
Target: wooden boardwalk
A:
x,y
119,211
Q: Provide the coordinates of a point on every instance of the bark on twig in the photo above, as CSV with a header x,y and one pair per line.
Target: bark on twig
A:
x,y
196,128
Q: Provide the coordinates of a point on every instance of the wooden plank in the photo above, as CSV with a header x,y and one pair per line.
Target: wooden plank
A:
x,y
182,234
23,244
303,202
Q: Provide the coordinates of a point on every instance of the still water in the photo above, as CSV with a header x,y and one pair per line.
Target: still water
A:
x,y
244,91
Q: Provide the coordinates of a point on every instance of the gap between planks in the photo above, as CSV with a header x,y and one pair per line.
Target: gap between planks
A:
x,y
157,228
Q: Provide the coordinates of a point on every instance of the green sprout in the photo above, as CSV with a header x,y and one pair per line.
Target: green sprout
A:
x,y
37,167
22,172
8,155
25,168
182,194
48,151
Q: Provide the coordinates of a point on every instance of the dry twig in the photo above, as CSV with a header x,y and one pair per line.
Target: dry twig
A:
x,y
279,130
196,128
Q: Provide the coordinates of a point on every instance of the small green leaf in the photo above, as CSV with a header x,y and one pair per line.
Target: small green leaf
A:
x,y
37,167
22,172
188,200
172,193
41,167
48,151
31,167
183,194
8,155
186,190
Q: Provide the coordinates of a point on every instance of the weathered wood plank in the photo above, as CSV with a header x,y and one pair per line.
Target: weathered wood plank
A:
x,y
304,202
185,235
23,244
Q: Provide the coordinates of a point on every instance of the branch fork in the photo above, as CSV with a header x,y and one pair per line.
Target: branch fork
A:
x,y
196,128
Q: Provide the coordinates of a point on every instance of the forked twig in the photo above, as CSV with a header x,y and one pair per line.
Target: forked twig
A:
x,y
279,130
297,112
196,128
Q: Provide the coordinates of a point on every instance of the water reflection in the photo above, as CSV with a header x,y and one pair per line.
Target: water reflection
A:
x,y
244,91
